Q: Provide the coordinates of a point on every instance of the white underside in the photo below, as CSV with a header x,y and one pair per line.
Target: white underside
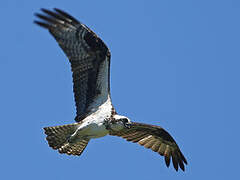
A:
x,y
93,125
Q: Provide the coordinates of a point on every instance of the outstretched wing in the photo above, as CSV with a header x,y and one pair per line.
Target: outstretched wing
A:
x,y
155,138
88,55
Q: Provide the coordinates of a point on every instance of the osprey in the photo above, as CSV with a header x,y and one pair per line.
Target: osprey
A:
x,y
96,117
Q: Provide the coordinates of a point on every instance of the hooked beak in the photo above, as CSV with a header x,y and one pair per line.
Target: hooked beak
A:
x,y
128,125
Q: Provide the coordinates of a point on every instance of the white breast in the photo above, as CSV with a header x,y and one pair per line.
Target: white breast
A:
x,y
93,125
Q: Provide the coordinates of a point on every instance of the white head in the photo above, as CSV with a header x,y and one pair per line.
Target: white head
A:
x,y
120,122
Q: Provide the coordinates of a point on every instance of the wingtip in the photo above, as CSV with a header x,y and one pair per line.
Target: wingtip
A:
x,y
167,161
181,165
44,9
66,15
176,168
38,15
57,9
44,25
183,158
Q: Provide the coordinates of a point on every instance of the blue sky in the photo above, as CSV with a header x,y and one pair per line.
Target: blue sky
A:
x,y
174,64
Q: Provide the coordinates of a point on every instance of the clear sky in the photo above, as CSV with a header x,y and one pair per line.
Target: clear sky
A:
x,y
174,64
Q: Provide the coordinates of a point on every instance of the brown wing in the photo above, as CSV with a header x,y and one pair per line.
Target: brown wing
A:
x,y
88,55
156,139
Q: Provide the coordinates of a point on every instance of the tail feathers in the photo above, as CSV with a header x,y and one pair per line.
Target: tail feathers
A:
x,y
58,136
74,148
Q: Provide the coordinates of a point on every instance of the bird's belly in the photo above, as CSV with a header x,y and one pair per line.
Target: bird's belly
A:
x,y
95,130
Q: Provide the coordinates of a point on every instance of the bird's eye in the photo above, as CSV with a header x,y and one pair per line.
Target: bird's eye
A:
x,y
125,120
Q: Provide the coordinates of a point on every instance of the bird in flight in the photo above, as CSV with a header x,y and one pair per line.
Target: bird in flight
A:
x,y
96,117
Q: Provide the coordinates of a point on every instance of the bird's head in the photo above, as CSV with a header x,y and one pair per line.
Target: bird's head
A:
x,y
120,122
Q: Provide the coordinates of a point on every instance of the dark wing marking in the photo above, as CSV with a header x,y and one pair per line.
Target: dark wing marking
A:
x,y
155,138
88,55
